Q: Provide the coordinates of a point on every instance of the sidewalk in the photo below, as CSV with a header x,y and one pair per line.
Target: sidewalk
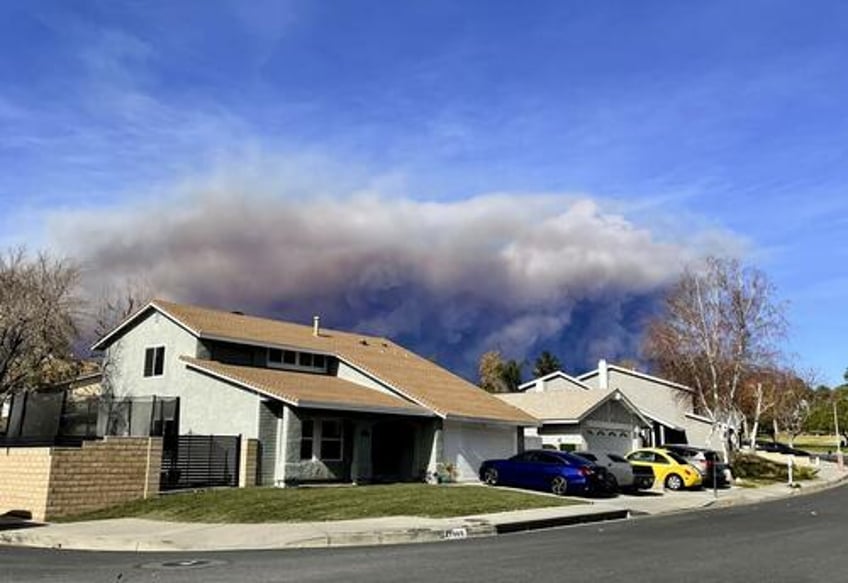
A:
x,y
132,534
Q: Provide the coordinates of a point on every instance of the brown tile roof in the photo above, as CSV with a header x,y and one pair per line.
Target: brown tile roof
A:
x,y
304,389
562,404
414,377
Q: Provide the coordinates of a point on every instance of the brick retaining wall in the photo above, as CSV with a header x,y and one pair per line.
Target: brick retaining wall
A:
x,y
50,482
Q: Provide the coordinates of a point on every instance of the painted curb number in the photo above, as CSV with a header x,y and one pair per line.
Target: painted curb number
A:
x,y
456,534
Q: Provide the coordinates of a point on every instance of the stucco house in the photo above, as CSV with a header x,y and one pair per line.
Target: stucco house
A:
x,y
325,405
574,416
670,406
666,409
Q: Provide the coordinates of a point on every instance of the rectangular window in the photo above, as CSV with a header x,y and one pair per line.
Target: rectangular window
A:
x,y
331,440
289,357
307,437
318,361
154,361
275,355
305,359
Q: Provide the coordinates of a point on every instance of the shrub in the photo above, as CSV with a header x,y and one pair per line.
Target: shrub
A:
x,y
753,467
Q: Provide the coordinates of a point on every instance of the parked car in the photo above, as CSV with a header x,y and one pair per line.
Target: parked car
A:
x,y
621,474
707,461
777,447
673,471
619,470
559,472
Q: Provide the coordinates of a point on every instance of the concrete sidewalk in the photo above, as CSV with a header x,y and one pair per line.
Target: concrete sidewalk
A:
x,y
132,534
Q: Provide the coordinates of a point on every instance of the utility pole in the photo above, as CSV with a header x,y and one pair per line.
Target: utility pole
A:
x,y
840,463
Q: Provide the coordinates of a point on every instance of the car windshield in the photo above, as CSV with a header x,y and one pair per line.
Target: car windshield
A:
x,y
587,456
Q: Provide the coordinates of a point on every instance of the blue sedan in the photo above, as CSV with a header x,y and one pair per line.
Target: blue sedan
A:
x,y
553,471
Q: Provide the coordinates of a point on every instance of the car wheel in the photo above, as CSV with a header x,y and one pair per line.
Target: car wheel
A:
x,y
674,482
559,486
611,483
491,477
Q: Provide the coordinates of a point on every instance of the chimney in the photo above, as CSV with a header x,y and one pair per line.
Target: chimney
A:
x,y
603,375
316,325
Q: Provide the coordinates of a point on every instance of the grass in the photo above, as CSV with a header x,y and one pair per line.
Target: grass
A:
x,y
813,443
252,505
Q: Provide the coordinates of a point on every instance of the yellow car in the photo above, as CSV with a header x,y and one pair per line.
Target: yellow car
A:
x,y
671,470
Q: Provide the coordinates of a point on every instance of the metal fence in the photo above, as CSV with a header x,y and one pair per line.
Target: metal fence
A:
x,y
200,461
54,417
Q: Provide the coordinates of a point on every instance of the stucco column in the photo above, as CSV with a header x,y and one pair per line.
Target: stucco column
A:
x,y
437,449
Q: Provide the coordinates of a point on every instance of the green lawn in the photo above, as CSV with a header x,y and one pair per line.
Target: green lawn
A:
x,y
326,503
813,443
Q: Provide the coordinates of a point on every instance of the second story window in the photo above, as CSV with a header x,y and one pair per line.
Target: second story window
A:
x,y
296,360
154,361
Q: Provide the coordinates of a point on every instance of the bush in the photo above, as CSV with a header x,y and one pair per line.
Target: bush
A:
x,y
753,467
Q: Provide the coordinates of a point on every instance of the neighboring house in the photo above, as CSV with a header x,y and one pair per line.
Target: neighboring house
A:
x,y
574,416
669,406
325,405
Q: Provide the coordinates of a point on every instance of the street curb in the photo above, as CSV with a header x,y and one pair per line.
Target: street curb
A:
x,y
540,523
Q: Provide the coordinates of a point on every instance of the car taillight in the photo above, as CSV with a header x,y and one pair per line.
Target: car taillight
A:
x,y
586,471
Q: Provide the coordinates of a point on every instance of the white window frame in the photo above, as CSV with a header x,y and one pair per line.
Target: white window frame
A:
x,y
153,374
321,439
318,439
282,365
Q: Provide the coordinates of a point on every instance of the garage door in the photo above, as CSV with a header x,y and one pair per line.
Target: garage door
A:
x,y
604,440
467,445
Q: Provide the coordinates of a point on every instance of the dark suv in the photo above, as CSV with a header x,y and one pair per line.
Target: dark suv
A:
x,y
707,461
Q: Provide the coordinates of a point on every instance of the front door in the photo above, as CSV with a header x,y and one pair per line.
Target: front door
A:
x,y
392,447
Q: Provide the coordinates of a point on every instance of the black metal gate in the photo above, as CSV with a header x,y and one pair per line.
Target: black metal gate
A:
x,y
200,461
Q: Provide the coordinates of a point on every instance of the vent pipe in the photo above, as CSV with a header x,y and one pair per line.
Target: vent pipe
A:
x,y
316,325
603,375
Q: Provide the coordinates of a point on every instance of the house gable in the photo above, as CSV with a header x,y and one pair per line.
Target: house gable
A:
x,y
556,380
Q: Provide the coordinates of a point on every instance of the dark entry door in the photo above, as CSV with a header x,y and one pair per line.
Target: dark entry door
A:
x,y
392,446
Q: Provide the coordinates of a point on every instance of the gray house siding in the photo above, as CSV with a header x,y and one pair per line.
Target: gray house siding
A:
x,y
270,413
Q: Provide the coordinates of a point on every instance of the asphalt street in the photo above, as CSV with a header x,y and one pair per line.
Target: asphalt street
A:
x,y
797,539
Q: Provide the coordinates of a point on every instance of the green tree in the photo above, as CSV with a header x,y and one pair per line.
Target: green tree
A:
x,y
511,375
545,364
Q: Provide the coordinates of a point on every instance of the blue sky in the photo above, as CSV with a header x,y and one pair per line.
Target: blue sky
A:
x,y
724,119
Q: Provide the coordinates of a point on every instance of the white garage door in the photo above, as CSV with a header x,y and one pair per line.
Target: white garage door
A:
x,y
467,445
605,440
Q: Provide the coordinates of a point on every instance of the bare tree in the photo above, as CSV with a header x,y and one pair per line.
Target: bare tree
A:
x,y
490,370
720,323
38,320
794,403
116,304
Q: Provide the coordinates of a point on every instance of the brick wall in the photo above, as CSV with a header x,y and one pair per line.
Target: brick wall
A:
x,y
60,481
249,463
24,480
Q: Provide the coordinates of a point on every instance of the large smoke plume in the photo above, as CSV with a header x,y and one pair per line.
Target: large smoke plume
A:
x,y
447,279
